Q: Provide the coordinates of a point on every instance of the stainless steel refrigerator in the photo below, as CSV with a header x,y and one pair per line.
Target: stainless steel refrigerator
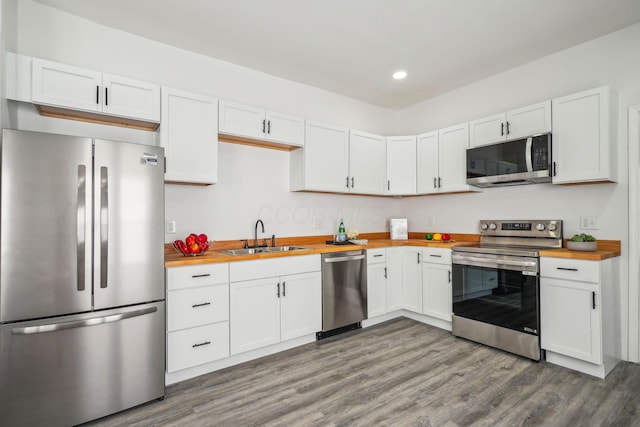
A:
x,y
82,311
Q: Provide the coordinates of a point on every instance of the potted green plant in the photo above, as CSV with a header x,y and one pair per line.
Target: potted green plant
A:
x,y
582,242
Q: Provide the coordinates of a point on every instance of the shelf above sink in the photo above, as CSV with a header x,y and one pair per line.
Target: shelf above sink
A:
x,y
271,249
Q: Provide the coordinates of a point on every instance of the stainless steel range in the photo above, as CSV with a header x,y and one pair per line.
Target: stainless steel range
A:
x,y
496,284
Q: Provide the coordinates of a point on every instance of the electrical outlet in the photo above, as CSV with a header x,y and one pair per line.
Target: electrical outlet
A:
x,y
588,223
171,226
431,221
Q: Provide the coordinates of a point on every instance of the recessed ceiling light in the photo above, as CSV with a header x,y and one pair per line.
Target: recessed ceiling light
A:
x,y
399,75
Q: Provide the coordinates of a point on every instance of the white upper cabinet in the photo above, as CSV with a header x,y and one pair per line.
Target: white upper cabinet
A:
x,y
189,135
75,88
367,163
401,165
442,160
323,163
518,123
257,123
583,150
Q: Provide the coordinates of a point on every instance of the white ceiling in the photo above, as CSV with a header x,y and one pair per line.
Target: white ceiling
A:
x,y
352,47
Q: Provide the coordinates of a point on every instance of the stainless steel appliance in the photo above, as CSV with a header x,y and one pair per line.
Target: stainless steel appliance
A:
x,y
82,311
517,162
344,291
496,284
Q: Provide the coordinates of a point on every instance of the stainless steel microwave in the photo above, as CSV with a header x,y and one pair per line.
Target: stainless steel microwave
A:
x,y
521,161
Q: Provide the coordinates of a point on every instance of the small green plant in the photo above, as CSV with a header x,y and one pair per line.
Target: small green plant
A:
x,y
582,238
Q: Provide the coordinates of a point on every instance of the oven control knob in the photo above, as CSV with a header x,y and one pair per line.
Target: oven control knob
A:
x,y
540,227
492,226
553,227
484,226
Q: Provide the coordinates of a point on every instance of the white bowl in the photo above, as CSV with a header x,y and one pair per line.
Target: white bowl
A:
x,y
582,246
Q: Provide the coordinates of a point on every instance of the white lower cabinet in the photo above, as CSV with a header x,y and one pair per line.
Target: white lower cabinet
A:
x,y
376,282
197,315
578,309
394,278
436,283
412,279
268,310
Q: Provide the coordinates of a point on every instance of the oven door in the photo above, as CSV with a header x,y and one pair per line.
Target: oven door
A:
x,y
497,289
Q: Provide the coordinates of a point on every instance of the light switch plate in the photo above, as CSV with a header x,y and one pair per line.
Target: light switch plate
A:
x,y
588,223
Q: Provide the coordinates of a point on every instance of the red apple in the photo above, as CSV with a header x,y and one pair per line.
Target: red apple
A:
x,y
191,239
446,237
202,238
204,246
194,248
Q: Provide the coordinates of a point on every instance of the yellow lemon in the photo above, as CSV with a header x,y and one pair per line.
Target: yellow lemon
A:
x,y
437,236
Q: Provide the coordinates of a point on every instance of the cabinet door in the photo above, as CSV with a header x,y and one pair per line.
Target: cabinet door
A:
x,y
487,130
66,86
401,165
530,120
326,157
581,140
242,120
436,291
189,135
427,163
412,279
569,323
394,279
300,305
452,156
130,98
285,128
376,289
367,163
254,314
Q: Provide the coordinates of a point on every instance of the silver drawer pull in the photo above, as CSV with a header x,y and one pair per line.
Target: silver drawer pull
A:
x,y
435,256
195,276
376,256
201,344
567,269
202,304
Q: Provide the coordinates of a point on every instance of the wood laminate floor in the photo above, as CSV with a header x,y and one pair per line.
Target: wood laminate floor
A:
x,y
400,373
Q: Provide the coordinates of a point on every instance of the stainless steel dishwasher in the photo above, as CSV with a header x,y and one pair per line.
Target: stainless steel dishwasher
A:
x,y
344,291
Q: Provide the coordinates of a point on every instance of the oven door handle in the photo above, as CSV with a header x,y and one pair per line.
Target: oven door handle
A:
x,y
507,264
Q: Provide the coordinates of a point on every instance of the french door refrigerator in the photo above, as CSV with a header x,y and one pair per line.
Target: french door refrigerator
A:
x,y
82,311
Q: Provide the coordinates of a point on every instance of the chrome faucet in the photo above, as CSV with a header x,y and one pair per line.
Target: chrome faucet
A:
x,y
255,233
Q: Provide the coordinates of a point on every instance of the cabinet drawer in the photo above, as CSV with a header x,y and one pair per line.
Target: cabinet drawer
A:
x,y
195,346
570,269
191,276
198,306
375,256
273,267
436,255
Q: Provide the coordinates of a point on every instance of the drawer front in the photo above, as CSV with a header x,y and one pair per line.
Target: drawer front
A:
x,y
191,276
198,306
195,346
375,256
273,267
436,255
570,269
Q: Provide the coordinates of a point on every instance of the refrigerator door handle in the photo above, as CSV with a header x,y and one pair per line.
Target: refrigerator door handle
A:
x,y
104,225
81,224
28,330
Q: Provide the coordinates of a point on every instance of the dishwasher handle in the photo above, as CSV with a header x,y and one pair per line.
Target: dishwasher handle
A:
x,y
344,258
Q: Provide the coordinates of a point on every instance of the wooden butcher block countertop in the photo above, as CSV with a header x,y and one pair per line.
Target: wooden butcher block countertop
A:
x,y
317,245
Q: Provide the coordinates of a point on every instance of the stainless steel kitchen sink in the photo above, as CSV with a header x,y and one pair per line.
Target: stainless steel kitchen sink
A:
x,y
271,249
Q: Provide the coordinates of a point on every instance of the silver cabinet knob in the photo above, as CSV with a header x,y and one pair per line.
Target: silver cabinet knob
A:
x,y
540,227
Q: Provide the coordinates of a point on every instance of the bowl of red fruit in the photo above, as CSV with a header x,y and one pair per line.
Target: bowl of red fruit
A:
x,y
192,245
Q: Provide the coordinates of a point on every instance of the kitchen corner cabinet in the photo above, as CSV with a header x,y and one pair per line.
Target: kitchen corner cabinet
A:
x,y
323,163
578,309
197,315
401,165
583,149
267,308
75,88
442,160
518,123
412,279
261,124
436,282
367,163
376,282
189,135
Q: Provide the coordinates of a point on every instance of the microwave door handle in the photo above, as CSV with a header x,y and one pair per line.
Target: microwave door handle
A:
x,y
528,154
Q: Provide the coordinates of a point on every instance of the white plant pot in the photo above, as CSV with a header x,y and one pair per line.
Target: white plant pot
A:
x,y
582,246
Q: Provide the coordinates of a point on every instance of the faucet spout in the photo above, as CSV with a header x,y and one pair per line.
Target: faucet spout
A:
x,y
255,232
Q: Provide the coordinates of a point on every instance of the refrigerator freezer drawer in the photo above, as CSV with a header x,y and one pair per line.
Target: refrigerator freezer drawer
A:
x,y
72,369
195,307
195,346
